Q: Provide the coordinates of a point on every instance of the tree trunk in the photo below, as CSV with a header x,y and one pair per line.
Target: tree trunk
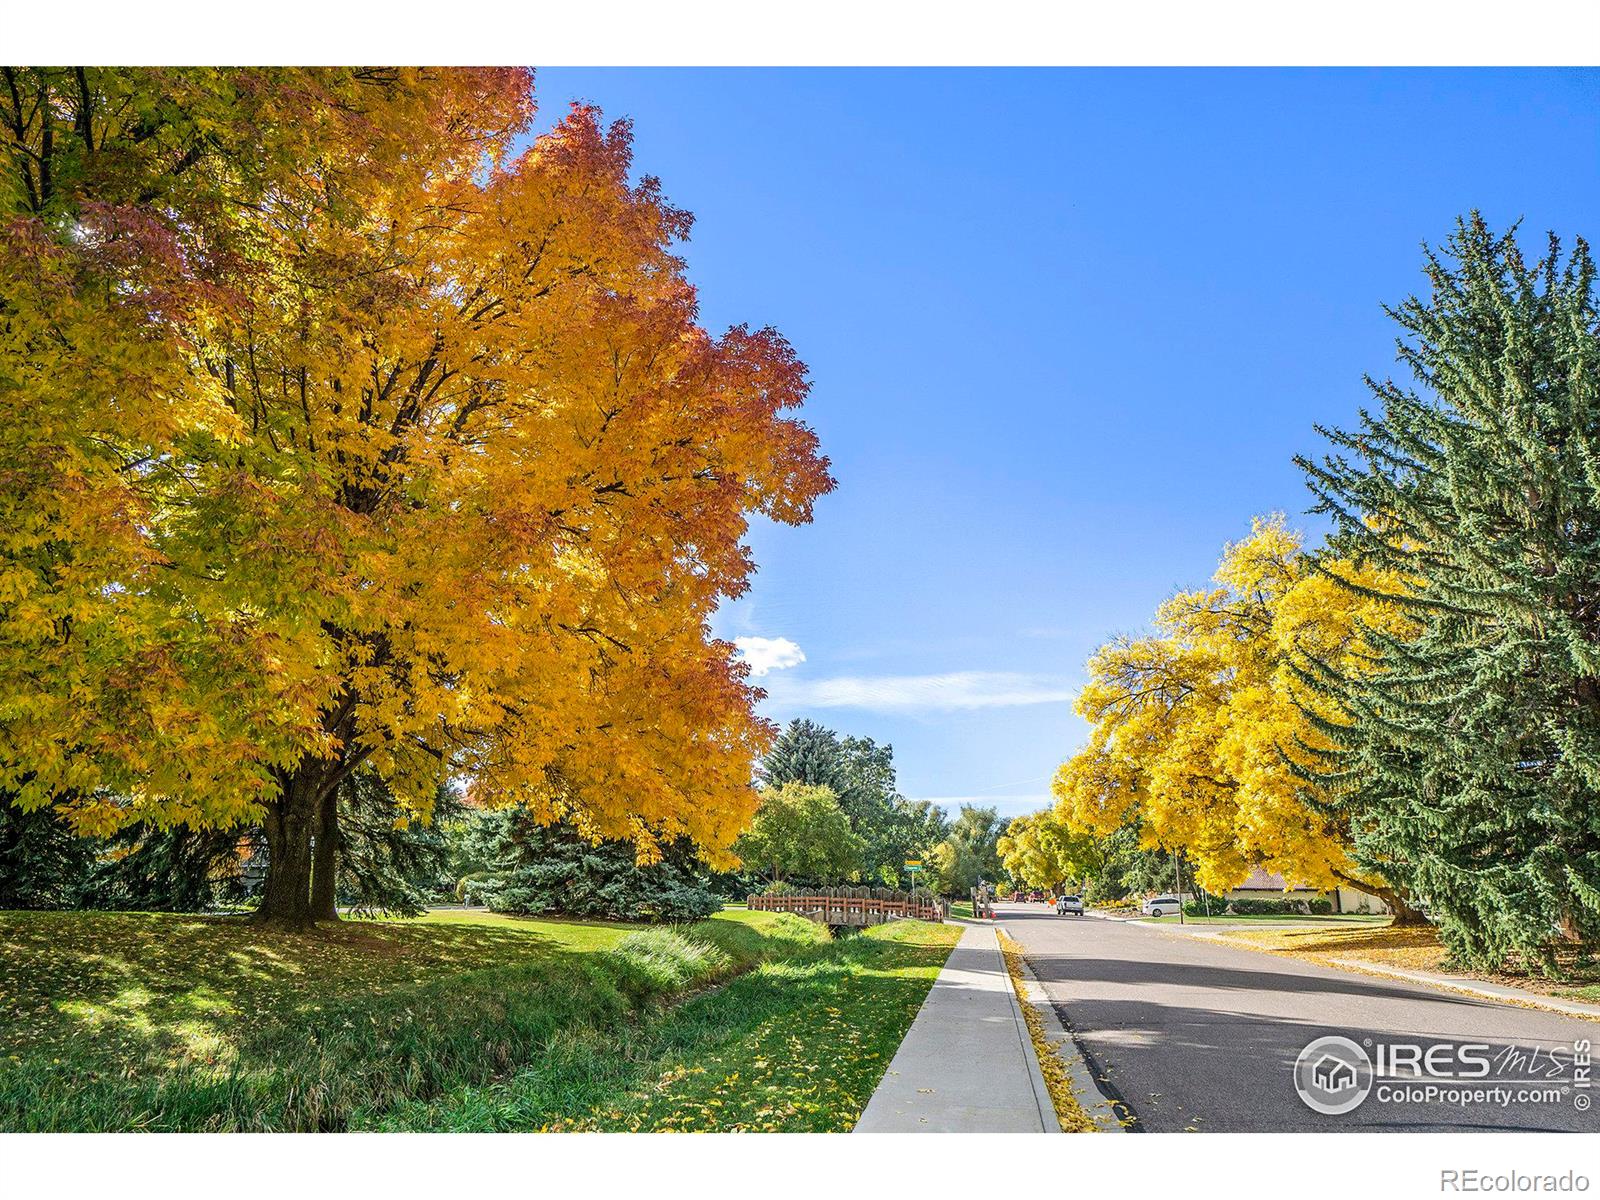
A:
x,y
1567,926
286,894
1404,912
302,826
325,855
302,841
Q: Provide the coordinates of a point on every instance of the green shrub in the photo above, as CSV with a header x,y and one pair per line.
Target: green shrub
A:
x,y
1318,905
1263,908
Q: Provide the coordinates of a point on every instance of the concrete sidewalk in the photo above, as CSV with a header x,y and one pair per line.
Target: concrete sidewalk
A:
x,y
967,1064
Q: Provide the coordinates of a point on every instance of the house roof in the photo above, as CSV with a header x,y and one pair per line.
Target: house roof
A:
x,y
1261,880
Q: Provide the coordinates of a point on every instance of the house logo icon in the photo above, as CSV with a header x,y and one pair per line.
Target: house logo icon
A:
x,y
1333,1075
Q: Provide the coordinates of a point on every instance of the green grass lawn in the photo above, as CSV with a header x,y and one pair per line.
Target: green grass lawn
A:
x,y
112,1021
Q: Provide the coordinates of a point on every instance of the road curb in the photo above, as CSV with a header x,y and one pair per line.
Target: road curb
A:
x,y
1490,991
1097,1106
1510,996
1041,1090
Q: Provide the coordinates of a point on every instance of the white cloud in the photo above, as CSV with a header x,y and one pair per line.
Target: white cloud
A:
x,y
913,693
768,654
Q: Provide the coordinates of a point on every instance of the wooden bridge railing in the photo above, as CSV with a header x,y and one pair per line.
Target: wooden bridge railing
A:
x,y
849,906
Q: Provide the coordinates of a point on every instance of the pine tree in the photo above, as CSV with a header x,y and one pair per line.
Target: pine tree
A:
x,y
43,863
1469,768
387,862
808,753
554,869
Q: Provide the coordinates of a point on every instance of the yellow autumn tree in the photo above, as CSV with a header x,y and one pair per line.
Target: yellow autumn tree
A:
x,y
1199,731
442,479
131,202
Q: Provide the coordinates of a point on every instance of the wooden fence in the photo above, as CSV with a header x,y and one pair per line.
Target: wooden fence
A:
x,y
855,906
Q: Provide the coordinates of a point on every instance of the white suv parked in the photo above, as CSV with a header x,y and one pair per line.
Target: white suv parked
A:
x,y
1160,906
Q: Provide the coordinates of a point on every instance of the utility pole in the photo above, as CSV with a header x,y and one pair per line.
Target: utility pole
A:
x,y
1177,874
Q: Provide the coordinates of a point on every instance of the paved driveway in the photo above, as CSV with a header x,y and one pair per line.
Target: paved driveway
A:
x,y
1195,1035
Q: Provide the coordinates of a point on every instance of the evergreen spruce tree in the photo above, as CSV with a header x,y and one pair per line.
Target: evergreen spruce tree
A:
x,y
1470,768
386,864
43,864
148,869
554,869
808,753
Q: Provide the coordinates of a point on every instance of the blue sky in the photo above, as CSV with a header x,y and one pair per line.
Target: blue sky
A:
x,y
1066,330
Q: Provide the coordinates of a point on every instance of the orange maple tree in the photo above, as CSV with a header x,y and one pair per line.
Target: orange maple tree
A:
x,y
389,441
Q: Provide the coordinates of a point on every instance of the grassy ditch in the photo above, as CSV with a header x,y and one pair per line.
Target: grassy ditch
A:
x,y
797,1044
117,1021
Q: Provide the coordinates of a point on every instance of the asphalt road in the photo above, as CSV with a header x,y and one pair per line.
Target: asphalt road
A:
x,y
1192,1035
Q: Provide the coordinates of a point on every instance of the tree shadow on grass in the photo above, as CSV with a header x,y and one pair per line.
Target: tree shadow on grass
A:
x,y
129,1021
